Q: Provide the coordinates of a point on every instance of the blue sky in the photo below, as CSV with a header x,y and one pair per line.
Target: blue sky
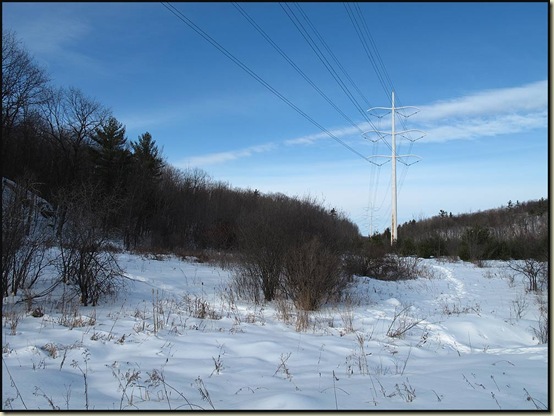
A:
x,y
477,72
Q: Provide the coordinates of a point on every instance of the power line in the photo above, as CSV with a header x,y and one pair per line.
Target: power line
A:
x,y
368,43
250,72
293,64
333,56
321,56
298,24
358,30
374,179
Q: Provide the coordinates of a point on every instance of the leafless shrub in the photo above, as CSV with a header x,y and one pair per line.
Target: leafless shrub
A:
x,y
456,308
197,256
72,318
70,315
229,300
542,302
312,275
51,349
204,392
218,362
448,259
408,267
402,322
200,308
542,330
38,392
511,278
11,319
276,233
246,283
479,263
534,271
203,310
284,309
302,320
407,392
126,379
384,266
520,305
361,354
224,260
84,263
282,367
490,275
263,243
347,317
426,272
26,234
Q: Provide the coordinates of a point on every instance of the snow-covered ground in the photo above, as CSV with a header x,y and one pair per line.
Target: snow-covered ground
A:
x,y
177,339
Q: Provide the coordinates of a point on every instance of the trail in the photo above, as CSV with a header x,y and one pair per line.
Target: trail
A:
x,y
448,275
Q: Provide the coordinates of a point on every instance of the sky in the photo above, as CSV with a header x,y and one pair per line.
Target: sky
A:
x,y
274,96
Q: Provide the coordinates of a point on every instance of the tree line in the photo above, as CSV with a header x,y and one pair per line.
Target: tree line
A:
x,y
63,141
517,230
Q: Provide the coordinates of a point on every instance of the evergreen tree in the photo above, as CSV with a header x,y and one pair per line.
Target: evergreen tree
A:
x,y
147,156
147,165
110,155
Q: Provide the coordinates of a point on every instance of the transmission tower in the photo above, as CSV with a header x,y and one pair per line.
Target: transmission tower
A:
x,y
377,112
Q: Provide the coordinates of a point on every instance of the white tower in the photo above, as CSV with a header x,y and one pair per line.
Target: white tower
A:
x,y
394,111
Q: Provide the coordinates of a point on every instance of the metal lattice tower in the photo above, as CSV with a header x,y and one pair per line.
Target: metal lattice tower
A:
x,y
394,157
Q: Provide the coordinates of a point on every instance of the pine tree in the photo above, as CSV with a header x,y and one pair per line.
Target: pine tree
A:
x,y
147,156
110,156
147,165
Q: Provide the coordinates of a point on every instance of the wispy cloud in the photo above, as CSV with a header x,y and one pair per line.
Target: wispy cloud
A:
x,y
486,113
482,114
523,99
337,132
222,157
53,33
486,127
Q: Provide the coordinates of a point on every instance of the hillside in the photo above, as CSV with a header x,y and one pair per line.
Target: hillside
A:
x,y
518,230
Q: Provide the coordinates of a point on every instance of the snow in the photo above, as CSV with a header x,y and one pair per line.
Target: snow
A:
x,y
467,350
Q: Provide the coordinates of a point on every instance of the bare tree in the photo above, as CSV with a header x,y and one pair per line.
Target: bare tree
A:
x,y
23,90
70,121
23,82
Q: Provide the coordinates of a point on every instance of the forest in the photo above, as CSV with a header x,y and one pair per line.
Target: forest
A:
x,y
517,230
